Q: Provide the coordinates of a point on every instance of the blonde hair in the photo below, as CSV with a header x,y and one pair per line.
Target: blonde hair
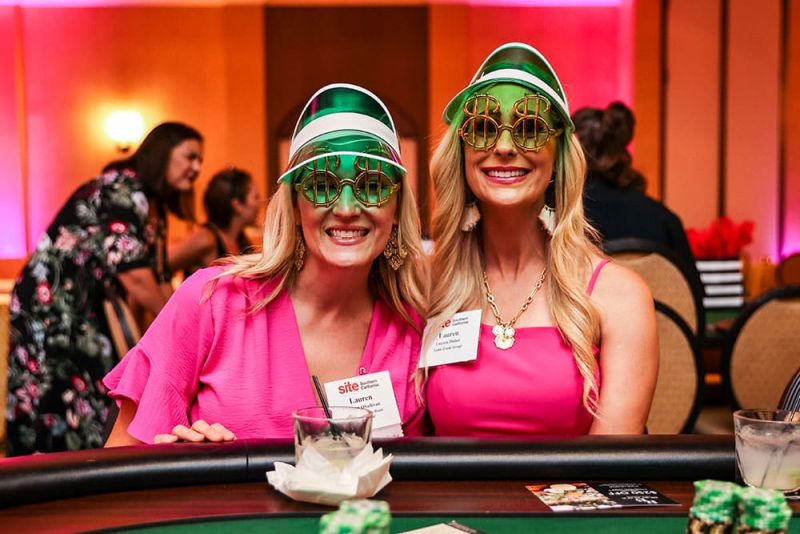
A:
x,y
399,289
458,259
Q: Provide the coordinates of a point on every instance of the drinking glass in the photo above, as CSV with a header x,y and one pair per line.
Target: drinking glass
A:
x,y
768,448
338,438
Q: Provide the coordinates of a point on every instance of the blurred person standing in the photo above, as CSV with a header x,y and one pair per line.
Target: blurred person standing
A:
x,y
107,240
232,203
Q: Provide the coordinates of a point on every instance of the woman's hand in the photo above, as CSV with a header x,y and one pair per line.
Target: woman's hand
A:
x,y
200,431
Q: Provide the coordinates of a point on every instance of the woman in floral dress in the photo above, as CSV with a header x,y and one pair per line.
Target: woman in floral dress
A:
x,y
108,238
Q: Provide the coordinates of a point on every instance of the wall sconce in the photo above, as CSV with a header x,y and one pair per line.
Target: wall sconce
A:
x,y
125,128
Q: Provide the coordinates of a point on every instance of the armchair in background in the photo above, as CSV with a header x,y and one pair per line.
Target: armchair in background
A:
x,y
762,351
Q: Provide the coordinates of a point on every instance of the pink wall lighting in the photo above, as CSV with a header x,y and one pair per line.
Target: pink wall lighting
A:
x,y
12,200
589,47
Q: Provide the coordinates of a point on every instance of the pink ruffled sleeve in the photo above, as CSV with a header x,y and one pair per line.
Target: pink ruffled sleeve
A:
x,y
161,373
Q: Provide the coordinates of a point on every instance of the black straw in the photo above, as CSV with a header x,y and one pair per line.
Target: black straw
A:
x,y
322,400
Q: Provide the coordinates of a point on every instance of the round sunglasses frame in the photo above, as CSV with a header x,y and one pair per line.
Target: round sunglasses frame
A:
x,y
520,109
303,186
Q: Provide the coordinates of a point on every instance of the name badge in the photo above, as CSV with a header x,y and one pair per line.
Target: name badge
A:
x,y
457,340
373,392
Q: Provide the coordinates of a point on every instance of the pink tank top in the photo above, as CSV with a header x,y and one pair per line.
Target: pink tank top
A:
x,y
532,389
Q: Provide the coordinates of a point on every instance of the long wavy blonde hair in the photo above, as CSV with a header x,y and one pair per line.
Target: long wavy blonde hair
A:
x,y
458,258
406,286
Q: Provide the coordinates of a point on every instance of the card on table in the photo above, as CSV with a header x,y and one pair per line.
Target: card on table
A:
x,y
598,495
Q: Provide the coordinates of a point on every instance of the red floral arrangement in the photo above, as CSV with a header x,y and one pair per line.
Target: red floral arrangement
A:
x,y
723,239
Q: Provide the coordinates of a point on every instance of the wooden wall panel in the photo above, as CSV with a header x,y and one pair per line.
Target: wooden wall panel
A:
x,y
648,92
691,168
245,80
753,115
791,128
449,67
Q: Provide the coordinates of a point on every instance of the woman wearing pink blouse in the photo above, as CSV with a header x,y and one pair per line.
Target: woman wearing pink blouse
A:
x,y
337,292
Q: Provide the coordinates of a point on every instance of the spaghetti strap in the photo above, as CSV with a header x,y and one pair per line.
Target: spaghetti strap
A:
x,y
596,273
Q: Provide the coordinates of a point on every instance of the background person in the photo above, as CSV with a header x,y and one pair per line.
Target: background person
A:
x,y
614,198
232,202
567,342
107,238
337,291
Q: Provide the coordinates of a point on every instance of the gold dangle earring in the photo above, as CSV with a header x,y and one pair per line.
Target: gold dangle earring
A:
x,y
299,249
395,252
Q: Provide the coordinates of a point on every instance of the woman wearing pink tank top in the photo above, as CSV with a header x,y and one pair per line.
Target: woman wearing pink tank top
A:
x,y
567,343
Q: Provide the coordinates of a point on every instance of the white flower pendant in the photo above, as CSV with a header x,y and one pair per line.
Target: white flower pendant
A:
x,y
503,336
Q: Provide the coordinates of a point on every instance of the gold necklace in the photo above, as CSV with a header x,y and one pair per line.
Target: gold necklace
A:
x,y
504,331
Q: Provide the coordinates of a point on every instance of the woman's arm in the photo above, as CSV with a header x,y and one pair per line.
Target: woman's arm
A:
x,y
628,353
143,289
119,436
194,250
200,430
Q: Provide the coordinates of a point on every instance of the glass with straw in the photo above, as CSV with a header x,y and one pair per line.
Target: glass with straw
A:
x,y
768,448
338,433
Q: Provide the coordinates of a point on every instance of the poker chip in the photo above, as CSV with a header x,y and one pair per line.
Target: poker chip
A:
x,y
715,502
718,505
763,510
357,517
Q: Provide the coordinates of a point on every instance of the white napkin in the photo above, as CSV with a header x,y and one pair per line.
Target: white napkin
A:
x,y
317,480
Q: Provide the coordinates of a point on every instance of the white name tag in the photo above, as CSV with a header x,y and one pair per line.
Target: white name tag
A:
x,y
373,392
457,340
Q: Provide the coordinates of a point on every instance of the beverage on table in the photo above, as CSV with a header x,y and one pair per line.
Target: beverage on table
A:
x,y
768,448
338,450
338,436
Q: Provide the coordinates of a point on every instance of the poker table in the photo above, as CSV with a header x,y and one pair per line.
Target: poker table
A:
x,y
480,483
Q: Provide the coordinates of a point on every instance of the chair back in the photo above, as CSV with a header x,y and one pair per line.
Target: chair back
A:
x,y
124,329
762,350
677,397
790,400
671,281
788,271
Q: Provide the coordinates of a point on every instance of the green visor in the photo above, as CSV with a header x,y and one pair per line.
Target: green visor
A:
x,y
343,143
520,64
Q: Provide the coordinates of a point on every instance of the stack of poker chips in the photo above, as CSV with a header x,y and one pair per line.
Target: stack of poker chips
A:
x,y
763,511
357,517
724,507
715,507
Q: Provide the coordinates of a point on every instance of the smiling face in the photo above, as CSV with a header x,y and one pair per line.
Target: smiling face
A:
x,y
506,175
184,164
346,234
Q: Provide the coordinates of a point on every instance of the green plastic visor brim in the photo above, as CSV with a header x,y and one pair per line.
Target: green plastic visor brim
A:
x,y
349,144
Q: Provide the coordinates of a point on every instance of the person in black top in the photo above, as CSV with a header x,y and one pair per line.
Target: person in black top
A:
x,y
614,199
232,202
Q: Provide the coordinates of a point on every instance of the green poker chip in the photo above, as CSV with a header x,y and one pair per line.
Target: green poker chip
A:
x,y
715,501
360,516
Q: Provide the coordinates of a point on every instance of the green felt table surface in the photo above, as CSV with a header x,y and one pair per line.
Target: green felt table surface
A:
x,y
491,524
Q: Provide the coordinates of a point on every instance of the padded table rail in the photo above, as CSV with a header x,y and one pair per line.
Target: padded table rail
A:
x,y
58,475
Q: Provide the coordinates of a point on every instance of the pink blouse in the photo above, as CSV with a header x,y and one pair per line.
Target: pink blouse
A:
x,y
213,360
532,389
